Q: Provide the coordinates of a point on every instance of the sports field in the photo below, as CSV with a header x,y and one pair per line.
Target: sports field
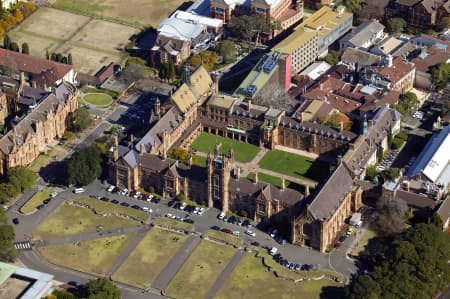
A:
x,y
149,258
243,152
93,43
132,12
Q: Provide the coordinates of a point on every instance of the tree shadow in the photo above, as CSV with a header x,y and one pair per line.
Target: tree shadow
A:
x,y
54,173
332,292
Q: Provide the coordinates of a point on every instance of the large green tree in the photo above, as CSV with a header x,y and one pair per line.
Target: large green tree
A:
x,y
84,166
64,295
7,250
408,103
396,25
440,75
352,5
248,27
82,120
102,288
414,265
227,50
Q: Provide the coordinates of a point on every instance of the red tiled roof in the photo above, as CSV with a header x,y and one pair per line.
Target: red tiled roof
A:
x,y
395,73
34,65
434,57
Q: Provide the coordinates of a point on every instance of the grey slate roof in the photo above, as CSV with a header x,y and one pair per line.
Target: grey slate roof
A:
x,y
328,199
363,33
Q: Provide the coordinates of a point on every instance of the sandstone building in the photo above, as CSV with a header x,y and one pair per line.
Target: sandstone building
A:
x,y
308,219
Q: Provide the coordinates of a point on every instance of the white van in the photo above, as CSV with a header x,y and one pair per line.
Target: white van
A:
x,y
273,250
78,190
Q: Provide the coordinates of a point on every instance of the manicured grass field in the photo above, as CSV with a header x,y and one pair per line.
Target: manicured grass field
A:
x,y
293,165
37,199
45,158
243,152
71,220
174,224
94,256
232,239
251,280
133,12
276,181
199,160
100,100
93,43
149,258
200,271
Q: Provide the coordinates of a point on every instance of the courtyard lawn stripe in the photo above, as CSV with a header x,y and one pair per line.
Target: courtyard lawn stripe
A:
x,y
243,152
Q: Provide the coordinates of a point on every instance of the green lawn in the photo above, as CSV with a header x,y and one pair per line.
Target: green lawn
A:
x,y
294,165
251,280
46,158
149,258
94,256
200,271
276,181
199,160
101,100
232,239
71,220
174,224
36,200
243,152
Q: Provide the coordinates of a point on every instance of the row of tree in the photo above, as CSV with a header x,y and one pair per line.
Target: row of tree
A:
x,y
18,179
58,57
413,264
15,15
13,46
100,288
168,71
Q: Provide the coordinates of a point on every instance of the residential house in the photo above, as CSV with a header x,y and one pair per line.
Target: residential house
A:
x,y
364,36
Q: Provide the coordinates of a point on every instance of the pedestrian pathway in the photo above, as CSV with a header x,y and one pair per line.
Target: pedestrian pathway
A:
x,y
126,253
224,275
163,279
90,236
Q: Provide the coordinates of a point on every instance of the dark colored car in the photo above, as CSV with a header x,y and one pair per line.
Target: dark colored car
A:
x,y
104,198
144,197
255,244
132,193
170,203
125,204
46,201
155,199
136,207
177,205
337,244
115,201
189,221
226,230
232,220
40,206
215,227
16,221
342,238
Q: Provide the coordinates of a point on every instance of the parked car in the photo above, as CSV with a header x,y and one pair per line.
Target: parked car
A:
x,y
237,233
136,207
273,250
15,221
177,205
226,230
111,188
114,201
155,199
201,211
125,204
221,216
255,244
215,227
145,197
46,201
170,203
183,206
189,221
53,195
250,233
104,198
39,207
147,209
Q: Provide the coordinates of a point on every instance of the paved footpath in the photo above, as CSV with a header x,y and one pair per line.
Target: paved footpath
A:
x,y
224,275
90,236
163,279
126,253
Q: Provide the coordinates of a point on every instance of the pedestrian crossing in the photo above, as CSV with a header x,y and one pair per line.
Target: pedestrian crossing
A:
x,y
25,245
